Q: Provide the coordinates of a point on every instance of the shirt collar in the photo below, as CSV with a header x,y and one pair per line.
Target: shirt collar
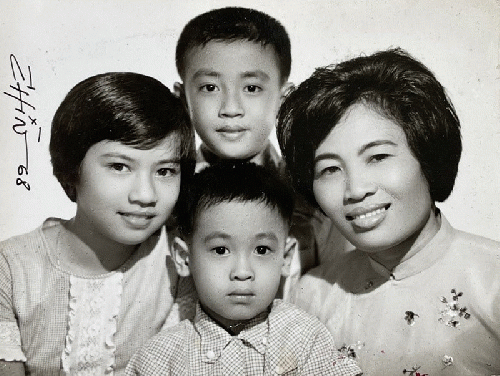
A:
x,y
214,338
268,157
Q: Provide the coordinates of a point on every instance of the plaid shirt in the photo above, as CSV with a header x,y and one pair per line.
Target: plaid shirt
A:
x,y
285,341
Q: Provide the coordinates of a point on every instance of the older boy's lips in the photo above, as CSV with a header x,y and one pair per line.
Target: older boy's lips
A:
x,y
232,133
241,296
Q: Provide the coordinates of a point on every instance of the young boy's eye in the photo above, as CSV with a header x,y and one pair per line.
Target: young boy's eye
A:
x,y
209,88
220,251
252,89
263,250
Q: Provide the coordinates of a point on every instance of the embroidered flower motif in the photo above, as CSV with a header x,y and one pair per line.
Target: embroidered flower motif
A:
x,y
348,351
447,360
453,311
410,317
413,371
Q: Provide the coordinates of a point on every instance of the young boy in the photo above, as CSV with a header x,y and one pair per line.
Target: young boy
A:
x,y
234,64
235,221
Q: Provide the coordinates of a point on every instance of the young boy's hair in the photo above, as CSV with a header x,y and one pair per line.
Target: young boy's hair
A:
x,y
235,24
229,181
131,108
392,82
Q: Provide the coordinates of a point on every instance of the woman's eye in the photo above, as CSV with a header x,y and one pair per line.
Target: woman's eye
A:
x,y
208,88
378,157
253,89
263,250
220,251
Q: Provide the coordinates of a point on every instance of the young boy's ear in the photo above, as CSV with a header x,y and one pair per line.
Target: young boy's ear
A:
x,y
291,246
180,255
286,89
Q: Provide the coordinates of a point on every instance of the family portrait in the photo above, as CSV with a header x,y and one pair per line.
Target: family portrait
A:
x,y
250,188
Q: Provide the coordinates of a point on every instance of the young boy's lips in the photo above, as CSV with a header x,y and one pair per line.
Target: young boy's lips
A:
x,y
243,296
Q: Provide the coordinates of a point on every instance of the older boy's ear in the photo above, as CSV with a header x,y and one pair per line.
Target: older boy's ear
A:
x,y
291,246
180,254
179,89
286,89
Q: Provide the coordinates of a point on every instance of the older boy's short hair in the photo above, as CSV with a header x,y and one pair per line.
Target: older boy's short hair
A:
x,y
131,108
230,181
393,83
235,24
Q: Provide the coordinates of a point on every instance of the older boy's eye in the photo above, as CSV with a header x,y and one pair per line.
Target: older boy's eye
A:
x,y
209,88
253,89
263,250
220,251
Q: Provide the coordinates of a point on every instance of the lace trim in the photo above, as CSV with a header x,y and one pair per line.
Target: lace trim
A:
x,y
93,309
10,342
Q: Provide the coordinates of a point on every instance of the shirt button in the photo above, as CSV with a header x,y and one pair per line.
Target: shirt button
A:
x,y
280,370
210,355
264,341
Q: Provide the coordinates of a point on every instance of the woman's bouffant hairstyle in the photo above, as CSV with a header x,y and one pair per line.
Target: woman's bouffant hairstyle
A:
x,y
131,108
394,84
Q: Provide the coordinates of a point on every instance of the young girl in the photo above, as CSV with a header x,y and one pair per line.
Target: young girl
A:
x,y
80,296
375,143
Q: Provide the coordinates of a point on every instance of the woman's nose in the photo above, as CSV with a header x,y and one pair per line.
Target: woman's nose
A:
x,y
358,185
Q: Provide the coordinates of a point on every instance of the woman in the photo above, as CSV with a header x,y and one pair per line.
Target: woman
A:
x,y
375,143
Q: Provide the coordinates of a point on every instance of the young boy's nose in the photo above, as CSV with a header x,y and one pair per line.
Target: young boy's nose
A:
x,y
143,190
242,269
231,105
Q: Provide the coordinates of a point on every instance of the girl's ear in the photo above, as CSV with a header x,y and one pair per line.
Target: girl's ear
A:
x,y
290,248
180,255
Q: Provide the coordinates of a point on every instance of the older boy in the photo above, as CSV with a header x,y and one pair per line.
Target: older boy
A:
x,y
234,63
235,221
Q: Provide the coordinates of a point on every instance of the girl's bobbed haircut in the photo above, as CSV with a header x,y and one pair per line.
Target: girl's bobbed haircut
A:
x,y
131,108
394,84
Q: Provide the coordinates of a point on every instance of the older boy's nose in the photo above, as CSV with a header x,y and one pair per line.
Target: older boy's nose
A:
x,y
143,191
231,105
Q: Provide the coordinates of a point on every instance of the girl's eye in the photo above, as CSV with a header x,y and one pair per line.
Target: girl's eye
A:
x,y
253,89
263,250
119,167
209,88
220,251
168,171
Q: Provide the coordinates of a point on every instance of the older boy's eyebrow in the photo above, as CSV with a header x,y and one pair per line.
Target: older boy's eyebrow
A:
x,y
128,158
256,74
205,73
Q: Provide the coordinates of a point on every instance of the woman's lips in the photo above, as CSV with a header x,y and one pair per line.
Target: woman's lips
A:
x,y
367,218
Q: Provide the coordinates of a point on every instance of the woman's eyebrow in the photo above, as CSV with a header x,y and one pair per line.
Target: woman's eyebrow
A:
x,y
373,144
